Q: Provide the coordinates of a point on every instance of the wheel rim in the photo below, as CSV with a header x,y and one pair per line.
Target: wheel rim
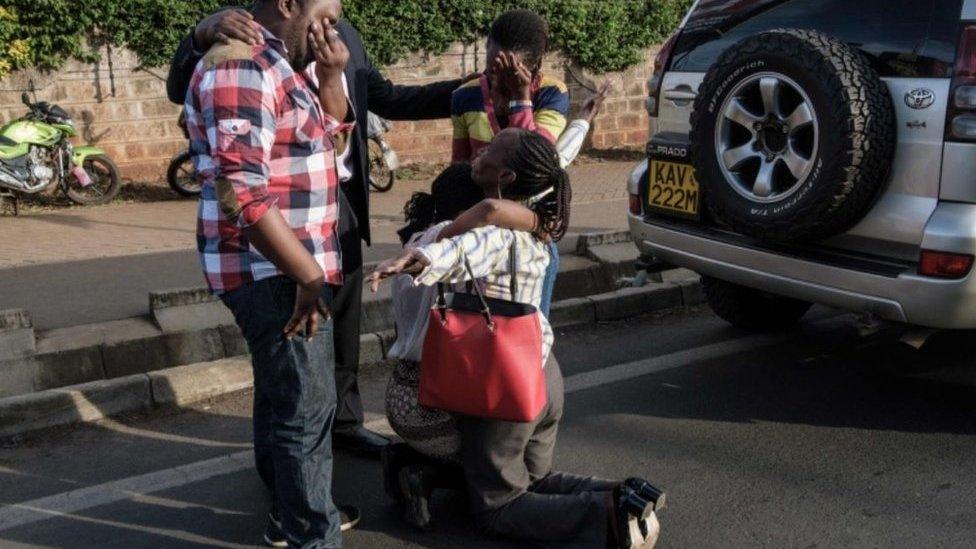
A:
x,y
767,137
186,178
377,162
101,180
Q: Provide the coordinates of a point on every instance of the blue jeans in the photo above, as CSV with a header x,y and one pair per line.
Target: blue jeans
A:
x,y
549,283
294,408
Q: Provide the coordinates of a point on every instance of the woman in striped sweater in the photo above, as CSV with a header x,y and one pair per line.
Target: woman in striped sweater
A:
x,y
513,92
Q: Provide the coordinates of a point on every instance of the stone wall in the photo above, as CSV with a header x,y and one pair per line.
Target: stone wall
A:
x,y
123,108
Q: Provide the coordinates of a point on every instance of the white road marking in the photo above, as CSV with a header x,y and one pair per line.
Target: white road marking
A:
x,y
680,359
14,515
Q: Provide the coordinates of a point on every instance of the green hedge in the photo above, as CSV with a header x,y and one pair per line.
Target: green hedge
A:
x,y
602,35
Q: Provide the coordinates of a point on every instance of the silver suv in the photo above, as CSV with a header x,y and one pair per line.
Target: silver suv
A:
x,y
816,151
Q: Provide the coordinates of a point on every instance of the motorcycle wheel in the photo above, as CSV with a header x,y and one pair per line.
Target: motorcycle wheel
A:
x,y
105,182
181,176
381,177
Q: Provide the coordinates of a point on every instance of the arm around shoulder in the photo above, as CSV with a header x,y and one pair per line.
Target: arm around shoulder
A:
x,y
492,211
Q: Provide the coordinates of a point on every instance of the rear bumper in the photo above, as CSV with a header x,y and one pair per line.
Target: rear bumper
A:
x,y
905,297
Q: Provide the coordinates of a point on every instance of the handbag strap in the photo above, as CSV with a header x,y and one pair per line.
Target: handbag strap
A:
x,y
442,297
513,267
513,285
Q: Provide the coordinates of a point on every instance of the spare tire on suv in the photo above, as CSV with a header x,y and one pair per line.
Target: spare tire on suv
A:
x,y
793,135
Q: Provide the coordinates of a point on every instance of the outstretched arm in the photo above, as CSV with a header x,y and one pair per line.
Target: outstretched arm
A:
x,y
408,102
485,249
571,141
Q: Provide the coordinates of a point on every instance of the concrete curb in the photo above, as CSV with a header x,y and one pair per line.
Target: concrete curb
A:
x,y
16,334
80,403
189,326
184,385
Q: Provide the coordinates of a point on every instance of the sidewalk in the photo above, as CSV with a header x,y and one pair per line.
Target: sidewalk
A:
x,y
84,265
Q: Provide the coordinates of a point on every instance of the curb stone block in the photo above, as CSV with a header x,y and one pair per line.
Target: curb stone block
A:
x,y
179,297
370,349
631,302
16,334
692,292
87,402
187,384
193,317
187,309
580,277
15,319
571,312
197,382
588,241
69,367
193,347
123,358
377,310
234,344
156,353
17,376
680,275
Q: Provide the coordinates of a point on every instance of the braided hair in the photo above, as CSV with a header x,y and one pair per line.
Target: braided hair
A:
x,y
538,172
451,193
524,32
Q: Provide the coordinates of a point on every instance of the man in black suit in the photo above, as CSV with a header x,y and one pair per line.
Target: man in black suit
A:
x,y
367,89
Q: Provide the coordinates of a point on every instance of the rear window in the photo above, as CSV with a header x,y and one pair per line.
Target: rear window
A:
x,y
903,38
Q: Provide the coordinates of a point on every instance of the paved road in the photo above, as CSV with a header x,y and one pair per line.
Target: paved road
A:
x,y
814,438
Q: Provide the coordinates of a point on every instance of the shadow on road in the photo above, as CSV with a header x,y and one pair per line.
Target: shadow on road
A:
x,y
787,412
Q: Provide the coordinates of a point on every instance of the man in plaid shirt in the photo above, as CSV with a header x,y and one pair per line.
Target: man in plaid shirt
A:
x,y
264,122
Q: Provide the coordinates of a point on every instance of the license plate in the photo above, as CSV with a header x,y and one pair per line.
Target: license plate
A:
x,y
672,188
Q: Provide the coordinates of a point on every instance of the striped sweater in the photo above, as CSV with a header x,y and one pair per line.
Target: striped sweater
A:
x,y
476,123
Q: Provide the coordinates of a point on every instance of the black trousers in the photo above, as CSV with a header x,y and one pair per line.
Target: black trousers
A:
x,y
347,307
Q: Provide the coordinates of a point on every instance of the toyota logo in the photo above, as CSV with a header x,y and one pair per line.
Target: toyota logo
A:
x,y
920,98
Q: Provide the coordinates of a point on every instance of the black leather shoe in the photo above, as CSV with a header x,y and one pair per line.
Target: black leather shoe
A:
x,y
416,485
647,491
360,440
630,514
274,536
392,457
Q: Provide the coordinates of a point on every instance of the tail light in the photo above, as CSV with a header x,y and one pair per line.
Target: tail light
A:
x,y
635,205
944,264
961,121
654,85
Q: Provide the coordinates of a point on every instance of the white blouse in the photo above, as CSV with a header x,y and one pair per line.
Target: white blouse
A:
x,y
412,304
488,249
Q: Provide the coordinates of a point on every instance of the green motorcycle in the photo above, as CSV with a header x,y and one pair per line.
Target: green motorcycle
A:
x,y
35,155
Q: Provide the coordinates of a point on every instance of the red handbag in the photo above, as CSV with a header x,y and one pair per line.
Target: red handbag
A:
x,y
482,357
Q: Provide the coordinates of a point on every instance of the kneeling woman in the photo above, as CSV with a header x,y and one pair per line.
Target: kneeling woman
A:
x,y
508,466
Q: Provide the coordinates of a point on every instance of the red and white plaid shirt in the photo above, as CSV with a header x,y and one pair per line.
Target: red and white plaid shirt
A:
x,y
260,139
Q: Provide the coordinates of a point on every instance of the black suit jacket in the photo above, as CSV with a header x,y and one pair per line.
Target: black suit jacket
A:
x,y
368,90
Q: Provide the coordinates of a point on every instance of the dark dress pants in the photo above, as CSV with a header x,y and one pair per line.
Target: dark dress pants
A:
x,y
514,492
294,408
347,310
